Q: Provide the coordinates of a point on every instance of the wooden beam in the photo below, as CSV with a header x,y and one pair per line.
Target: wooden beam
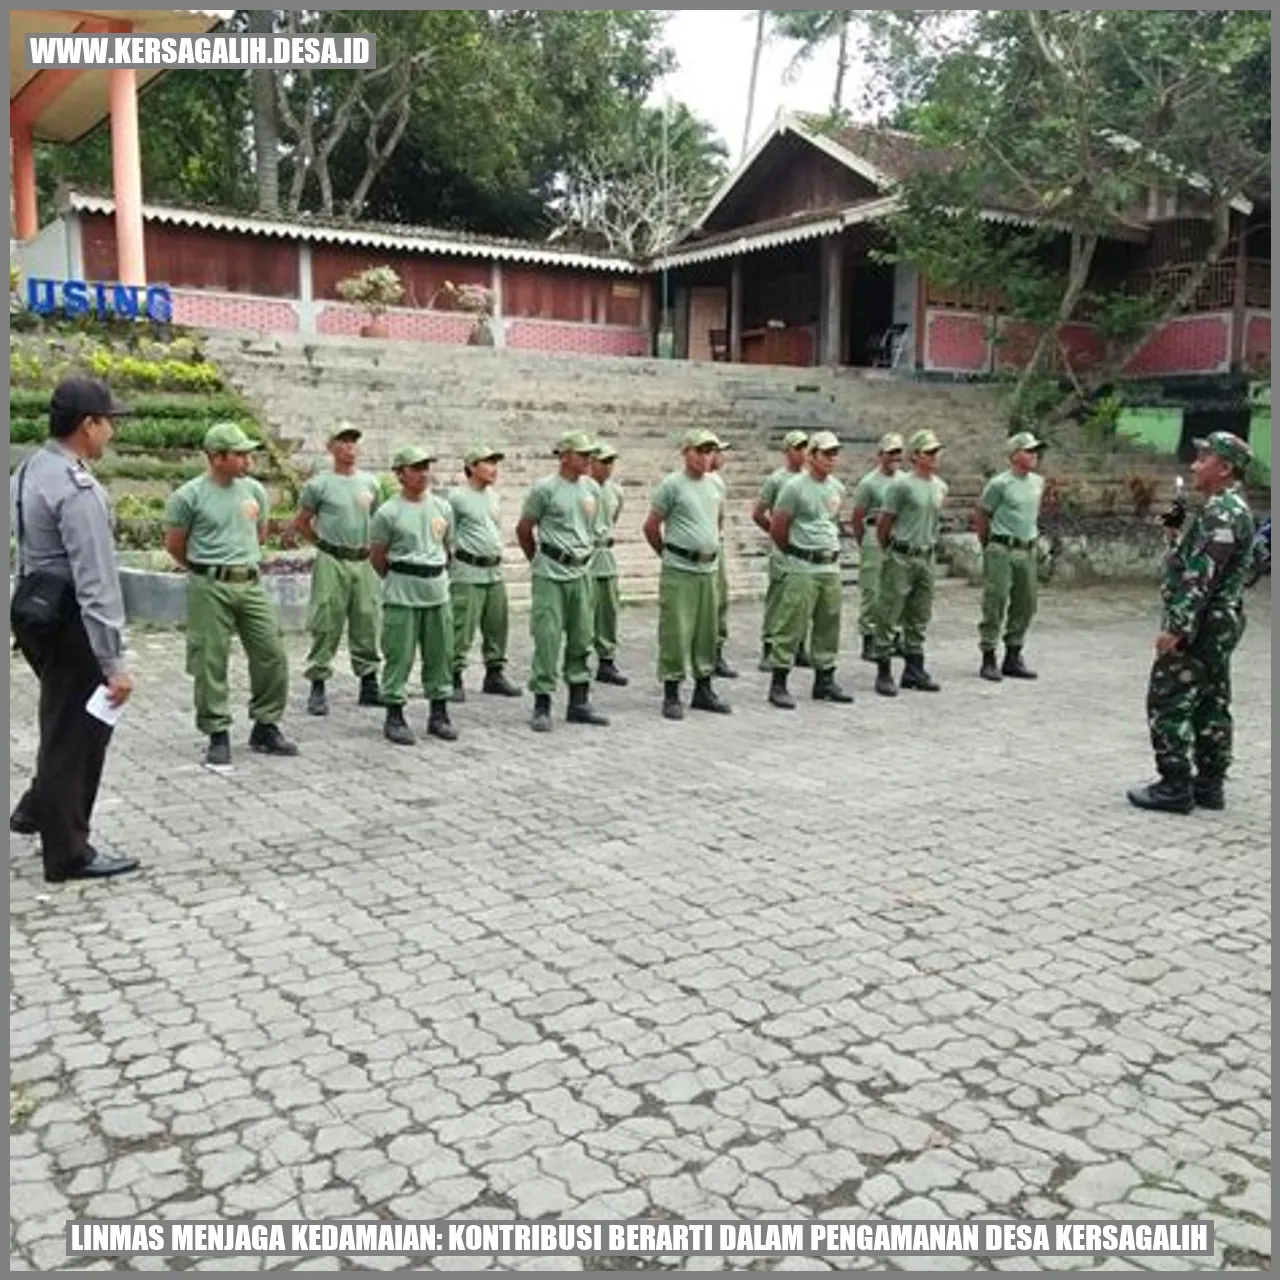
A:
x,y
1239,311
735,311
831,300
49,84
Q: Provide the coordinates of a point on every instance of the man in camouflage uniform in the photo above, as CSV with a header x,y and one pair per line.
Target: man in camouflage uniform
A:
x,y
1189,695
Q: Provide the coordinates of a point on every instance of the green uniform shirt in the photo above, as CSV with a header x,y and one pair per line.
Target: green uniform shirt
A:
x,y
475,531
1013,503
868,497
341,506
416,532
565,512
814,507
690,511
1205,570
770,487
605,563
917,503
222,521
717,479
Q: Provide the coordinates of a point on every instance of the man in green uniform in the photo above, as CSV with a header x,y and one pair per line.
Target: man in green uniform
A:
x,y
907,529
334,510
557,533
1189,694
794,448
716,476
806,530
867,500
477,591
604,567
684,527
409,541
1007,525
215,526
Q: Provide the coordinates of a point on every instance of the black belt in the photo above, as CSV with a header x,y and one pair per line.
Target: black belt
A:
x,y
415,570
605,543
226,572
566,558
906,549
694,557
478,562
814,557
342,553
1014,544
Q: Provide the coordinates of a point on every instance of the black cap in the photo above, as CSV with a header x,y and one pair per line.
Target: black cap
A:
x,y
84,398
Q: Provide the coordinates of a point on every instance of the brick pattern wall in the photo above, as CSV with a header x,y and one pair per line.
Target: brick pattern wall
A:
x,y
1082,343
956,342
1257,340
1189,344
576,339
340,319
204,310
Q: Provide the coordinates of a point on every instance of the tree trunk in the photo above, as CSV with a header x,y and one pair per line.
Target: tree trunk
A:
x,y
751,87
266,129
842,63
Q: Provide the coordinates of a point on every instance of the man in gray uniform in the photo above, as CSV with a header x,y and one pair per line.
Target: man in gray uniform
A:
x,y
66,554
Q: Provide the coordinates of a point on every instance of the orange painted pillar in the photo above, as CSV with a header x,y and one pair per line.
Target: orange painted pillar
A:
x,y
26,219
126,172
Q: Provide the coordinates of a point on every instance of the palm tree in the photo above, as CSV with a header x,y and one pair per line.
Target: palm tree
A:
x,y
814,28
751,87
266,128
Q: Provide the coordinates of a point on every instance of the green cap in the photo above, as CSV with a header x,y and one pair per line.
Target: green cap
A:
x,y
1230,448
699,438
344,431
482,453
605,452
1024,440
410,455
574,442
795,440
925,442
891,443
228,437
823,441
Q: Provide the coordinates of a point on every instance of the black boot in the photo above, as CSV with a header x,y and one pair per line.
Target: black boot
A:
x,y
705,698
607,673
778,695
438,723
914,676
1168,795
1014,666
541,722
899,648
269,741
1208,792
459,693
317,702
723,669
672,708
219,752
868,648
370,694
885,685
989,670
396,730
825,688
496,682
23,820
802,657
580,709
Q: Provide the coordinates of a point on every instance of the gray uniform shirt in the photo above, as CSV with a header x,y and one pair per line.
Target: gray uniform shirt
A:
x,y
67,531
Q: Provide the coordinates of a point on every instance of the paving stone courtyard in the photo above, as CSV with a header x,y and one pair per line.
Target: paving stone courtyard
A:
x,y
913,959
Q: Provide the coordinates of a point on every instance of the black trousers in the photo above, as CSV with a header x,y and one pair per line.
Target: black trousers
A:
x,y
73,747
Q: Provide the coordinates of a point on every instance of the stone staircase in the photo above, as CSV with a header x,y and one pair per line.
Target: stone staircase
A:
x,y
448,397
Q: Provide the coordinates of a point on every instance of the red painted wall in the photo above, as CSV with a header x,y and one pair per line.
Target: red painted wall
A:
x,y
1257,341
1189,344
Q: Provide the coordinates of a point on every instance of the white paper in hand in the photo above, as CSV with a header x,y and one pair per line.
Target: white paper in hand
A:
x,y
101,709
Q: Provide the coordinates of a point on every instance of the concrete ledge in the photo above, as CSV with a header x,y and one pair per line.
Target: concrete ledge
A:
x,y
1106,553
160,599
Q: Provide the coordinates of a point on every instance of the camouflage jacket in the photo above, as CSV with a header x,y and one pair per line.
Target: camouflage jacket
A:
x,y
1205,570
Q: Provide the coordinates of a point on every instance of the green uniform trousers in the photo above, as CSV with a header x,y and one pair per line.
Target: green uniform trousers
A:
x,y
561,617
904,602
870,561
216,611
809,600
772,599
344,593
1189,701
407,633
722,600
482,605
1009,589
608,600
687,604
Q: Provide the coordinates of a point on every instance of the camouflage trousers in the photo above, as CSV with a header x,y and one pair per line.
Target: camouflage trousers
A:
x,y
1189,703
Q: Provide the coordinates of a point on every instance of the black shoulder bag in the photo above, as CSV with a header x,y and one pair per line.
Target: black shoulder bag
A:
x,y
42,602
